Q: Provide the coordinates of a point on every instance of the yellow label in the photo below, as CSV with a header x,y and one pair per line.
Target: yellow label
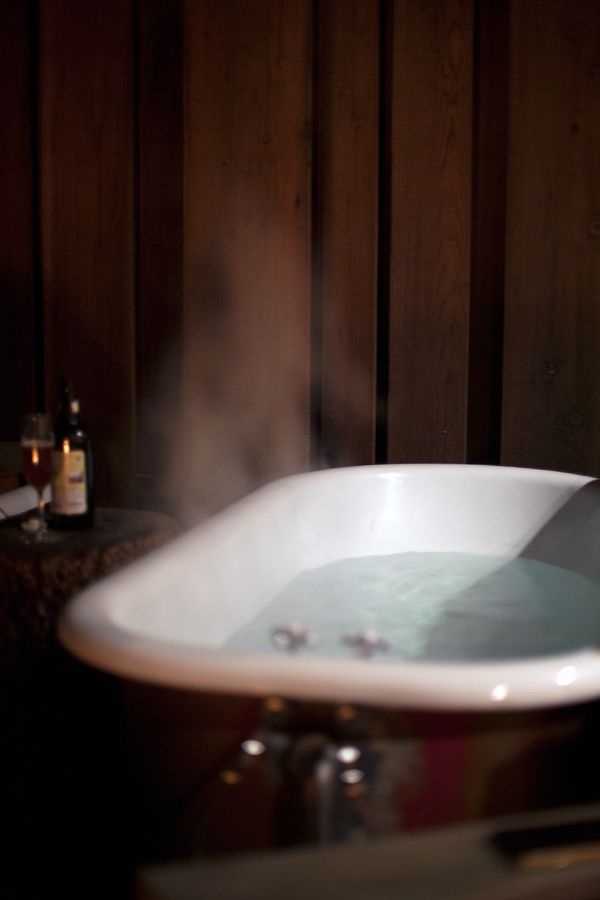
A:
x,y
69,496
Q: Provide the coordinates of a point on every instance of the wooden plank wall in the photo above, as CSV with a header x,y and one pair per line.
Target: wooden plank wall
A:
x,y
488,230
247,215
346,224
86,150
18,231
551,409
266,235
430,185
159,270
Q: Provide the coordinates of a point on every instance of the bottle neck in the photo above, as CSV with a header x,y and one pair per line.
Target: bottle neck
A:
x,y
69,413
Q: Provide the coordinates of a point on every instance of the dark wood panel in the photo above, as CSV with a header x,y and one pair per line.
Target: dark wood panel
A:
x,y
17,316
345,278
86,160
552,367
489,225
160,239
110,150
246,245
430,157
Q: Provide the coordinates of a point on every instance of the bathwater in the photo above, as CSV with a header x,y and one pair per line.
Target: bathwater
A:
x,y
435,606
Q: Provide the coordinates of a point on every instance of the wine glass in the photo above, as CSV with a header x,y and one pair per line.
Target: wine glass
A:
x,y
37,444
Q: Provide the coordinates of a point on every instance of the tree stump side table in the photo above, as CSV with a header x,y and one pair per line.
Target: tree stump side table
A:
x,y
37,578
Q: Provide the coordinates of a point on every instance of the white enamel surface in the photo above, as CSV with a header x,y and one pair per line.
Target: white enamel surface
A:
x,y
164,619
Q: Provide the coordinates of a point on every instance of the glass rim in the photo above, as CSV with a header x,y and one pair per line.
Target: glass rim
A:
x,y
30,416
36,427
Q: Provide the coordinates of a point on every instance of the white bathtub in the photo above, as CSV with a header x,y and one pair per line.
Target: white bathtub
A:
x,y
165,620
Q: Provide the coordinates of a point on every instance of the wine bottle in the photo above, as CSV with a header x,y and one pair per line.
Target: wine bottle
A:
x,y
72,467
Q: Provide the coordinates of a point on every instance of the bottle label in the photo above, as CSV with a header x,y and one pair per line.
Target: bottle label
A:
x,y
69,495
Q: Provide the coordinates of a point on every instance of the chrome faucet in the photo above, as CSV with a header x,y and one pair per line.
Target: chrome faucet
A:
x,y
366,643
292,637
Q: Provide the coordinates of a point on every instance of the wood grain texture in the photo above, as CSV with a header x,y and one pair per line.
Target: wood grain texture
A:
x,y
188,126
551,409
490,116
246,244
86,160
160,239
431,84
346,233
17,316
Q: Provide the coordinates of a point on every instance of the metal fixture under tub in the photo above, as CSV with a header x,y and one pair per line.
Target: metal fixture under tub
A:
x,y
396,647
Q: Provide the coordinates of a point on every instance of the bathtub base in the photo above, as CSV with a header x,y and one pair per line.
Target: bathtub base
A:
x,y
197,794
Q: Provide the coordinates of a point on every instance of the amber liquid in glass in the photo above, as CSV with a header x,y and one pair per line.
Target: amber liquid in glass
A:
x,y
37,463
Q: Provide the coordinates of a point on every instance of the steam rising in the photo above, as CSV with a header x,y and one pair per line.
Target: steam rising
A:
x,y
246,381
